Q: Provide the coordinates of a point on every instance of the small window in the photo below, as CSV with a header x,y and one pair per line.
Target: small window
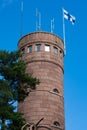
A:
x,y
38,47
61,54
56,123
55,50
55,90
29,49
22,50
47,48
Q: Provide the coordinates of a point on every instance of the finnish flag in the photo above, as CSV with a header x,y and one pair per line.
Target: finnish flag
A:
x,y
68,16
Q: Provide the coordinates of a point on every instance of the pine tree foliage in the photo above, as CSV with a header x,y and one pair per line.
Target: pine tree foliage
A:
x,y
14,86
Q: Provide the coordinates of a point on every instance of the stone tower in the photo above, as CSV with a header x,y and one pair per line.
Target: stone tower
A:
x,y
43,54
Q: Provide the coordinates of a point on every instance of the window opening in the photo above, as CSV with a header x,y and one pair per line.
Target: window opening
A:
x,y
22,50
61,53
55,90
38,47
56,123
47,48
30,49
55,50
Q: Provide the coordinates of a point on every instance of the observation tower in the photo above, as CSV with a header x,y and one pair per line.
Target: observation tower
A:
x,y
43,54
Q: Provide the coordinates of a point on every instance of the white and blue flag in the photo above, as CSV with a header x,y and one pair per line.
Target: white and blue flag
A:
x,y
68,16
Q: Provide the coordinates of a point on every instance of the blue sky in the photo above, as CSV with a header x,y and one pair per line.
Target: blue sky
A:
x,y
75,61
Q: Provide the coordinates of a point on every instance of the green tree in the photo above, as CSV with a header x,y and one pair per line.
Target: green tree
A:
x,y
14,86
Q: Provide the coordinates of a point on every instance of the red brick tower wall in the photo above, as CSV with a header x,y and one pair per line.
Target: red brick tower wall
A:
x,y
43,54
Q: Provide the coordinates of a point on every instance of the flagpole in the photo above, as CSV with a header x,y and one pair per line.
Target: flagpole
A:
x,y
21,19
64,34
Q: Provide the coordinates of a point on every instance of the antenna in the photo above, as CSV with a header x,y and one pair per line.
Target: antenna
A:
x,y
38,22
52,25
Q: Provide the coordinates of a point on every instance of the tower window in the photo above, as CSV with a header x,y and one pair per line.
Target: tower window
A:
x,y
30,49
55,90
47,48
55,50
38,47
22,50
56,123
61,54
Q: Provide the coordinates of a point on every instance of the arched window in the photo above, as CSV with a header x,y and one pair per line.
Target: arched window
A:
x,y
56,123
55,90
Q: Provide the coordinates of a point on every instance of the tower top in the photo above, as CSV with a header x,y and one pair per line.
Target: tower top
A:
x,y
41,33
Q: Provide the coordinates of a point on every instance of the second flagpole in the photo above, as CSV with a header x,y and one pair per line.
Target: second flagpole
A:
x,y
64,33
